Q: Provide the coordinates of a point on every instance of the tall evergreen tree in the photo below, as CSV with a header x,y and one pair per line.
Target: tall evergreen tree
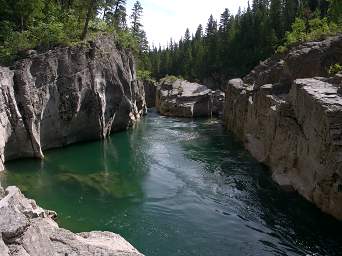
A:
x,y
277,18
136,18
137,27
199,32
119,13
335,11
211,28
225,21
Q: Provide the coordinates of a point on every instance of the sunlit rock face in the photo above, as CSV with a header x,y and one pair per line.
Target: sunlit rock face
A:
x,y
292,122
67,95
28,230
180,98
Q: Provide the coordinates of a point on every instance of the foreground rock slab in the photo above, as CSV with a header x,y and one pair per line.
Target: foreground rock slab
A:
x,y
67,95
180,98
292,121
28,230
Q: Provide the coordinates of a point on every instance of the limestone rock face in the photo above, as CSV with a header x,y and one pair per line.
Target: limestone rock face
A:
x,y
28,230
180,98
311,59
294,126
67,95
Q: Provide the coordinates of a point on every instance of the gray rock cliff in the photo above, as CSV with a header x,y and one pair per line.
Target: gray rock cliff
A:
x,y
180,98
28,230
67,95
291,120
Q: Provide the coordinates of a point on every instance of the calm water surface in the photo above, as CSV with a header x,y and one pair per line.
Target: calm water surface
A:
x,y
176,187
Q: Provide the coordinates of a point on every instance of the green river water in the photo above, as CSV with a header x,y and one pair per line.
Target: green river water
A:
x,y
176,187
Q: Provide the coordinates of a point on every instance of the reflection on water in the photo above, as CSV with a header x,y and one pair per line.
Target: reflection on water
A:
x,y
176,187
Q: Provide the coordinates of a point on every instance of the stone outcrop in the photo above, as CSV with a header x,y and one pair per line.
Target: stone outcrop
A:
x,y
67,95
28,230
292,121
180,98
150,87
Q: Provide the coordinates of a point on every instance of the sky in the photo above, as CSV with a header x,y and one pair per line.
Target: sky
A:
x,y
165,19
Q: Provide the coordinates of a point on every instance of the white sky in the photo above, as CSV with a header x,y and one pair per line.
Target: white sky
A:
x,y
165,19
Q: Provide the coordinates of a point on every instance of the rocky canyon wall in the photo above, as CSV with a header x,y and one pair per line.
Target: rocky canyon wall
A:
x,y
67,95
288,113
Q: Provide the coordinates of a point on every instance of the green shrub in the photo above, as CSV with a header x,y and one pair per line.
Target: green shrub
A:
x,y
144,75
47,35
282,49
127,41
15,43
334,69
313,29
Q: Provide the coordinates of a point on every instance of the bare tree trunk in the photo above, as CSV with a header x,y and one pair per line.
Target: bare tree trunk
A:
x,y
88,17
22,23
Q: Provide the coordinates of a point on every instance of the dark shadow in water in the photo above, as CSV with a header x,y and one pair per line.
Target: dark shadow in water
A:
x,y
302,228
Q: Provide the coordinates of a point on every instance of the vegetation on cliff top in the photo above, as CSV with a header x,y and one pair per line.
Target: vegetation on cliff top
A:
x,y
232,46
43,24
221,50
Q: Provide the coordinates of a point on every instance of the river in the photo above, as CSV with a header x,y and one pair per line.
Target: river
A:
x,y
176,187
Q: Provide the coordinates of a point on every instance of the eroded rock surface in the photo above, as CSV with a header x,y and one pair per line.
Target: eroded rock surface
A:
x,y
67,95
180,98
28,230
293,122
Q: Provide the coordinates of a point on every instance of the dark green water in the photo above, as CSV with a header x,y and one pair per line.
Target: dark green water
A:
x,y
176,187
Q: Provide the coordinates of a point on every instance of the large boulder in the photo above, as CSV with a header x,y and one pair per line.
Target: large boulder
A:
x,y
293,123
67,95
180,98
28,230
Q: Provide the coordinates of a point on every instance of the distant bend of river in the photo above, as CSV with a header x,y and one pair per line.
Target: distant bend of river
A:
x,y
176,187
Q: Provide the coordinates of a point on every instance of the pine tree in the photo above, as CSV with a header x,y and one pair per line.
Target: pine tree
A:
x,y
225,20
136,18
211,26
335,11
119,13
137,27
199,32
290,12
187,36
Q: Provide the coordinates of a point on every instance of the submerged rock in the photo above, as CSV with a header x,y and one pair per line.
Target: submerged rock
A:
x,y
294,125
180,98
28,230
67,95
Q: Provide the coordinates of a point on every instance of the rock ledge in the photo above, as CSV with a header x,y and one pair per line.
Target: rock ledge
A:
x,y
28,230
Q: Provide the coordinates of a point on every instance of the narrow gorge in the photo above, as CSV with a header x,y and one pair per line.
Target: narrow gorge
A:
x,y
146,178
